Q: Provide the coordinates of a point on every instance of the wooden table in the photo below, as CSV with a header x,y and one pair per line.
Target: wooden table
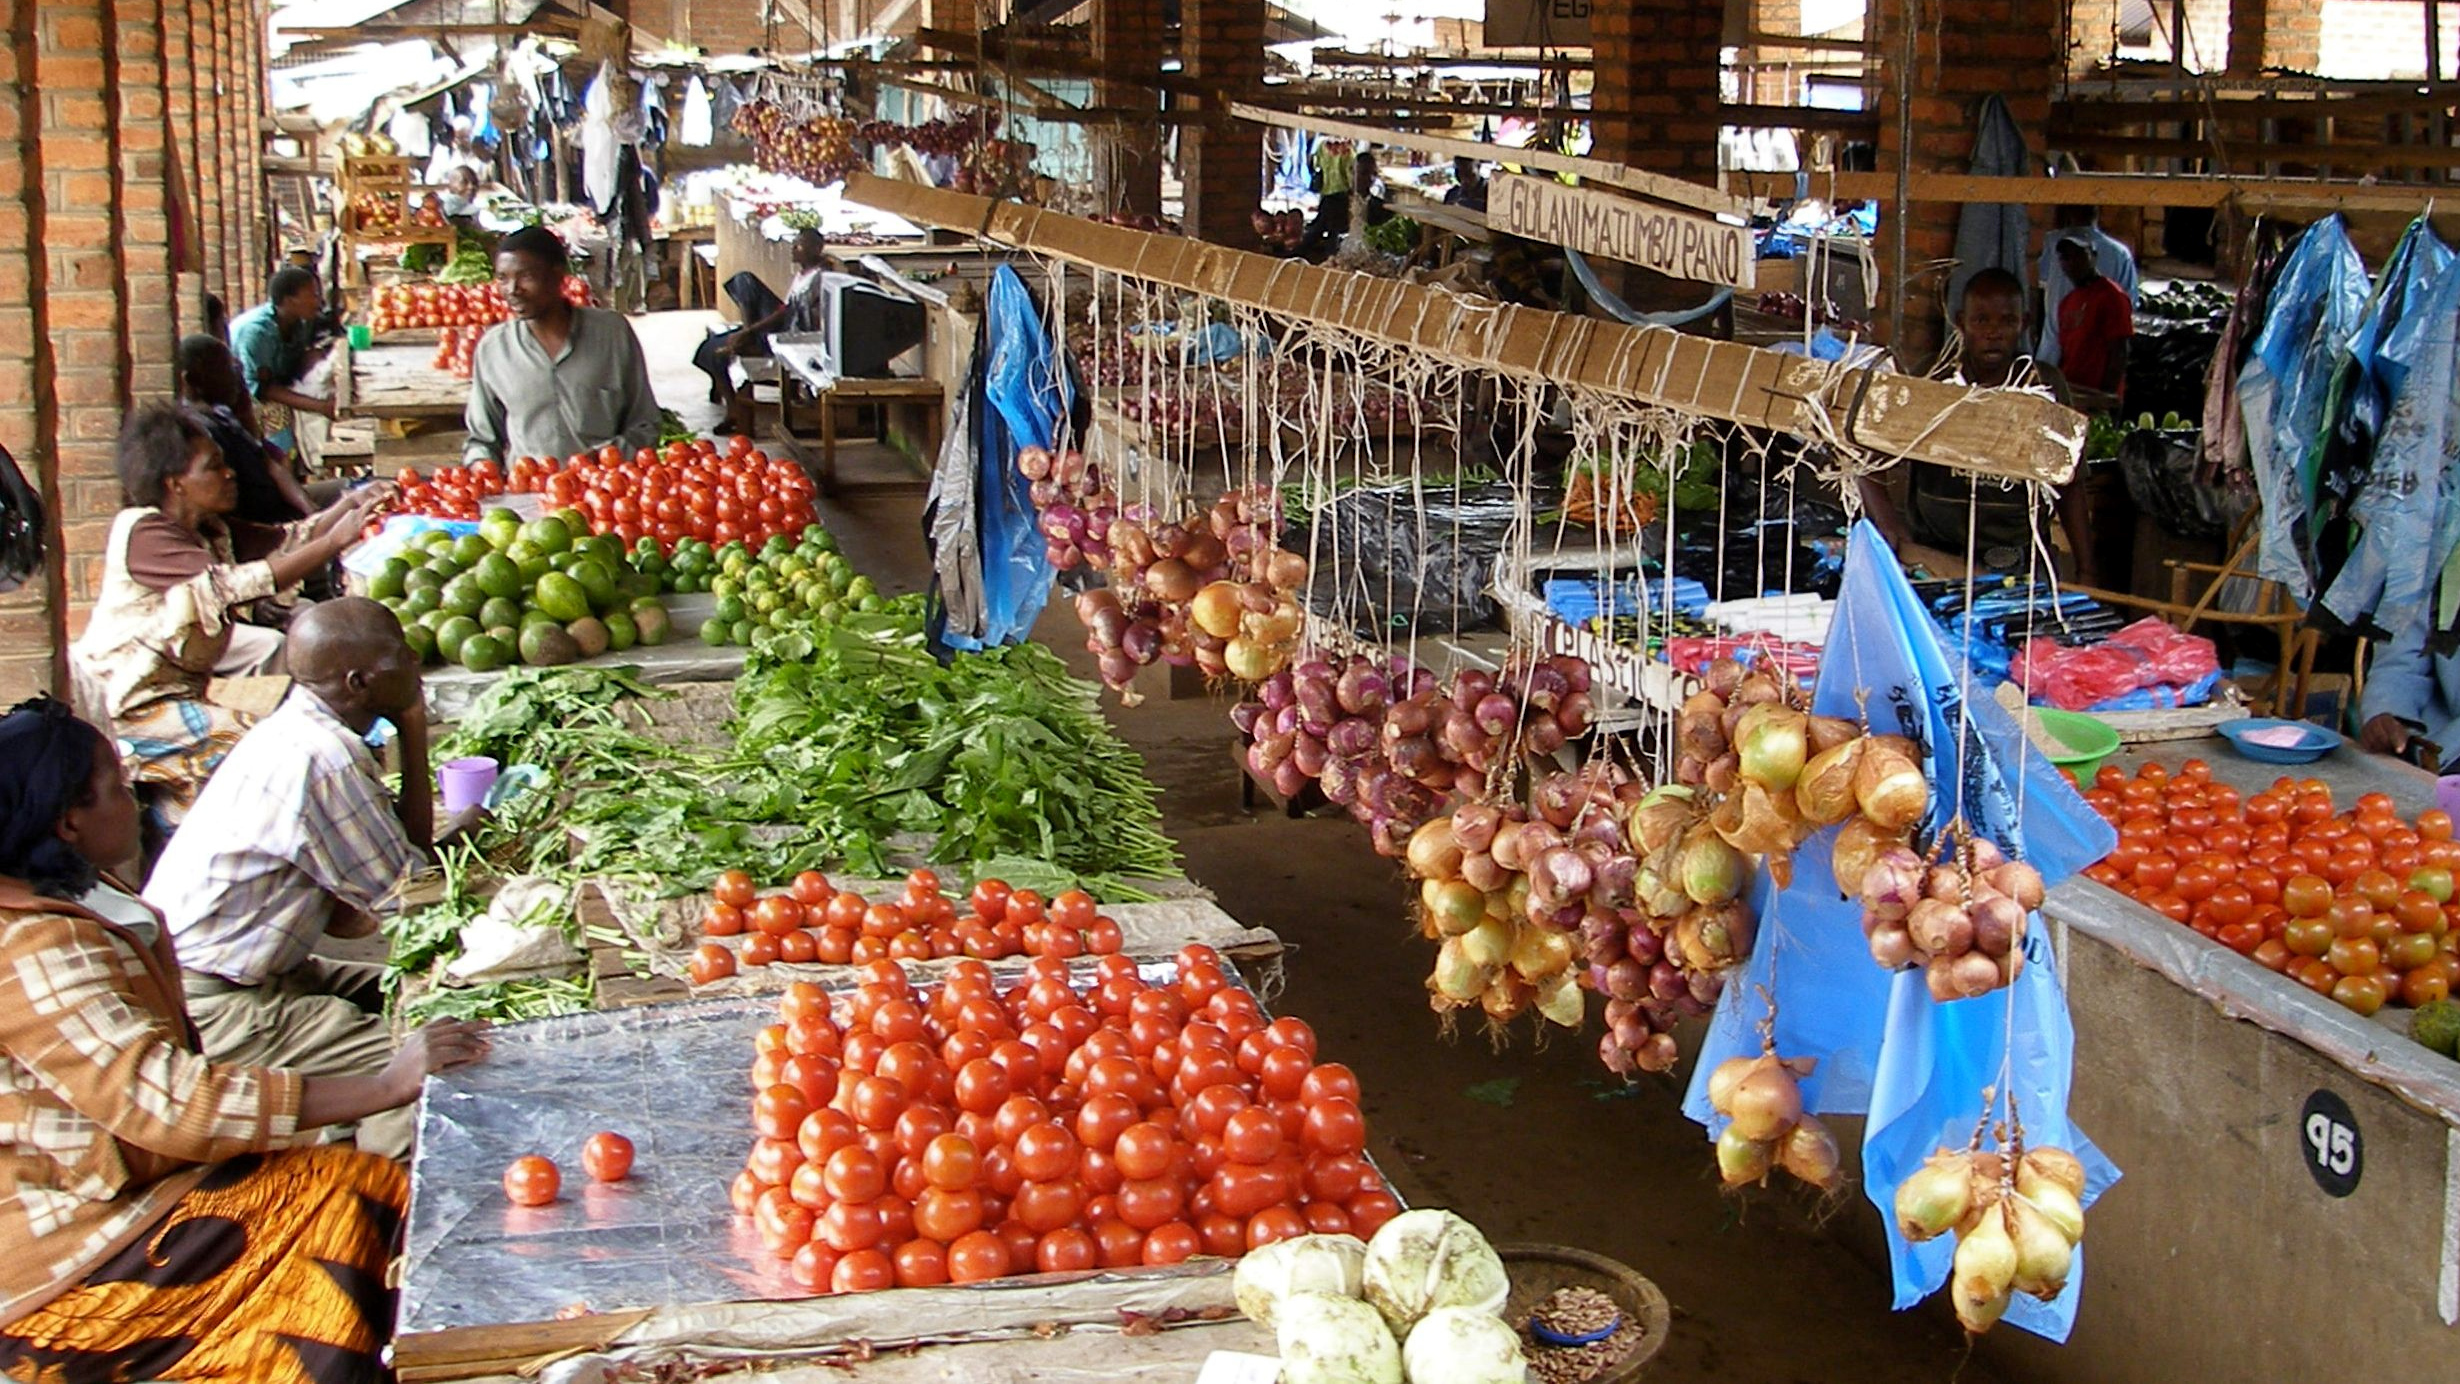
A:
x,y
395,380
807,384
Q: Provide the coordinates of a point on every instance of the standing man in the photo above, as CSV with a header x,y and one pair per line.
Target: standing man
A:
x,y
295,839
556,379
2110,255
272,341
1942,505
2096,320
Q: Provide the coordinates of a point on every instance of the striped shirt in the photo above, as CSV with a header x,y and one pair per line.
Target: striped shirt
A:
x,y
296,819
107,1107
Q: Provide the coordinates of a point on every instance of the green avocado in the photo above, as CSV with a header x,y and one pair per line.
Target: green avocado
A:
x,y
452,634
591,634
653,623
621,633
561,596
484,653
548,646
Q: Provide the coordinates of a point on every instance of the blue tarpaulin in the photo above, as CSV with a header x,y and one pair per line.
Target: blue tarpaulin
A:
x,y
1915,1067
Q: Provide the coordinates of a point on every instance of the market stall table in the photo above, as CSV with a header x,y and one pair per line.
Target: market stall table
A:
x,y
2292,1169
397,380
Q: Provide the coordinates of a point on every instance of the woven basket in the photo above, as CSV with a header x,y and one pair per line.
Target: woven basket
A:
x,y
1538,1270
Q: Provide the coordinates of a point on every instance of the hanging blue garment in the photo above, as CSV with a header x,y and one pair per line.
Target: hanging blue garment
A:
x,y
2315,305
1992,235
2397,409
1025,397
1884,1047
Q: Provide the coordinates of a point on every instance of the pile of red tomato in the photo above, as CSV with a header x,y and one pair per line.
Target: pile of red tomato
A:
x,y
2356,905
682,490
959,1134
454,348
396,307
814,921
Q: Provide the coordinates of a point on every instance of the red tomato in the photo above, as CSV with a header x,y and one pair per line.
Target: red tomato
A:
x,y
1066,1250
945,1215
1046,1152
864,1271
813,1267
759,949
951,1162
607,1156
797,948
1369,1210
1335,1126
778,1111
531,1181
977,1257
1046,1206
777,915
722,920
1144,1151
710,963
734,887
851,1225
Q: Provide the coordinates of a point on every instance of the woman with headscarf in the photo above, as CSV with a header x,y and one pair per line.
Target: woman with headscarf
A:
x,y
177,569
162,1216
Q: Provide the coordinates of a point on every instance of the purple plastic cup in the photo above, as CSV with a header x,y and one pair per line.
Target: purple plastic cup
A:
x,y
464,782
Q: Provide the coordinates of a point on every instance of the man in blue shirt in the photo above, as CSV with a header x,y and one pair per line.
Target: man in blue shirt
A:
x,y
2110,256
2411,692
272,342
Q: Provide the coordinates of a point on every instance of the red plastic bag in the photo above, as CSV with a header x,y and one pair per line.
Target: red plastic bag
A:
x,y
2147,653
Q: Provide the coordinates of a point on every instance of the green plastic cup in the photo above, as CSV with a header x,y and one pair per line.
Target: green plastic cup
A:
x,y
361,337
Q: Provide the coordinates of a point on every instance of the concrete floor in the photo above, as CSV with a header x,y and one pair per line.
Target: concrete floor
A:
x,y
1549,1147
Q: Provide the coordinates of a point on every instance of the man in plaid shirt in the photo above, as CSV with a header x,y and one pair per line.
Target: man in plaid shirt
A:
x,y
295,838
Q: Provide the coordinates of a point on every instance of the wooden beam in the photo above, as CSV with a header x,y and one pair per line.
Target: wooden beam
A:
x,y
2085,110
378,33
1630,179
2104,190
2335,155
1986,431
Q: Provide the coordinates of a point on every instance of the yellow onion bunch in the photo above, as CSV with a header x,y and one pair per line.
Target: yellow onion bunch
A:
x,y
1766,1126
2018,1216
1961,918
1775,773
1494,954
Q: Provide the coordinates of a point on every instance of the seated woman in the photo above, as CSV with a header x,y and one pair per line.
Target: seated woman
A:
x,y
176,571
164,1216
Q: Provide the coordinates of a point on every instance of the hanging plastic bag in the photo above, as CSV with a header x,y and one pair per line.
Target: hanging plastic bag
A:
x,y
1884,1047
1025,397
2287,381
21,526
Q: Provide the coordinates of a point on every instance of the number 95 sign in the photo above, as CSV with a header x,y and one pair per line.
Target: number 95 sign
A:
x,y
2335,1155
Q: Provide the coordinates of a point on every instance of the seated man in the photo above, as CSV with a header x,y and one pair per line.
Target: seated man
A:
x,y
294,839
2411,694
274,343
763,316
1946,513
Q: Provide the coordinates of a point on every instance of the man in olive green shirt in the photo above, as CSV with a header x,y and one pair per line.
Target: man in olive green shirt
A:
x,y
557,379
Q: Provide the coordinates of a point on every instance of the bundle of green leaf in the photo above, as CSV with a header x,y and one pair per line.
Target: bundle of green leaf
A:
x,y
473,260
421,942
853,742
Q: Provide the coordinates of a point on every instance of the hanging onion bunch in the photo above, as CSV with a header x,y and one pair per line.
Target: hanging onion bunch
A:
x,y
1076,508
2018,1215
1766,1127
1495,953
1247,623
1318,722
1960,919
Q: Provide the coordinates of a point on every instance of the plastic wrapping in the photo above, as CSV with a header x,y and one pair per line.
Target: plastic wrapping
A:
x,y
21,526
1407,562
2146,654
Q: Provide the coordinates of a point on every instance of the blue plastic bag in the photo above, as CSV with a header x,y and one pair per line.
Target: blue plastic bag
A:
x,y
1025,397
1916,1067
2287,380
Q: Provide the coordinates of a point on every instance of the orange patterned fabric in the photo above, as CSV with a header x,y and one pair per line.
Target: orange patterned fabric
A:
x,y
270,1272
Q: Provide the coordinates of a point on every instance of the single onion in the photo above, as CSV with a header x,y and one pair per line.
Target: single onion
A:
x,y
1934,1197
1245,715
1765,1101
1858,845
2043,1255
1215,610
1309,754
1558,877
1809,1152
1142,640
1172,581
1276,691
1892,946
1352,739
1711,871
1360,690
1474,825
1542,735
1288,780
1434,852
1772,739
1894,878
1455,906
1742,1160
1480,869
1891,789
1247,661
2019,882
1997,922
1573,714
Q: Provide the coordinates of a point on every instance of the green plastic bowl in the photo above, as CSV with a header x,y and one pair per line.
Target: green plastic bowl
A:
x,y
2087,741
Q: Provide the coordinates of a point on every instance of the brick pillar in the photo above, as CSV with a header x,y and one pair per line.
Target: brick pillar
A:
x,y
1657,84
1127,36
2293,34
31,628
1975,48
1221,161
2248,26
141,188
247,79
212,145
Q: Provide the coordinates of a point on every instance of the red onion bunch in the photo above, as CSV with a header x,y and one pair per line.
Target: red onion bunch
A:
x,y
818,150
1961,920
1076,508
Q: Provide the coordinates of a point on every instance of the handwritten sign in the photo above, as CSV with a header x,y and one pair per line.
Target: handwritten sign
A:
x,y
1679,244
1538,23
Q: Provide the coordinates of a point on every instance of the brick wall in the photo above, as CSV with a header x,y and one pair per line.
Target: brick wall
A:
x,y
114,112
1975,48
1222,160
1657,84
2375,40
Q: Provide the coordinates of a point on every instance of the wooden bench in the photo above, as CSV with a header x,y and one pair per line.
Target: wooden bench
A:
x,y
814,440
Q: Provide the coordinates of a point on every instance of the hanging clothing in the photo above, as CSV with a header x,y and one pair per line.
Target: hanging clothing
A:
x,y
1991,235
599,146
699,126
411,134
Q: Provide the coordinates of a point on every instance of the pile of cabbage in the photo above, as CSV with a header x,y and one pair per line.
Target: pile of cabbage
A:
x,y
1421,1303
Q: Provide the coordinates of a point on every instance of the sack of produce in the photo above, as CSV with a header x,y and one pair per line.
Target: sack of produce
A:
x,y
1424,1260
1461,1345
1303,1264
1326,1339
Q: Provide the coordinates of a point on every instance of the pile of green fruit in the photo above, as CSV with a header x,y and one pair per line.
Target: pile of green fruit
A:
x,y
784,585
530,593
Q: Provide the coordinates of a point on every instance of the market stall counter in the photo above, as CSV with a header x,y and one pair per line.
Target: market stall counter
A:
x,y
2292,1192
